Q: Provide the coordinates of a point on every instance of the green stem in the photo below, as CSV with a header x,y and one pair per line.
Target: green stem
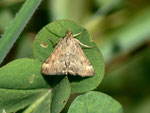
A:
x,y
17,25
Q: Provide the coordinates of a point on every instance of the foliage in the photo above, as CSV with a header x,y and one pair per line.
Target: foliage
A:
x,y
28,76
118,28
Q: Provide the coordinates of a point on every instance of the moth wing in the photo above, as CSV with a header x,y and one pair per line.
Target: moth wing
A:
x,y
79,63
55,64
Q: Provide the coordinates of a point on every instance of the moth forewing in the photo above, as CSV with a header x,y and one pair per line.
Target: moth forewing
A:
x,y
68,58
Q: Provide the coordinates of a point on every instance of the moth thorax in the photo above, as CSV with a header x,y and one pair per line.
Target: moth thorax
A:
x,y
69,34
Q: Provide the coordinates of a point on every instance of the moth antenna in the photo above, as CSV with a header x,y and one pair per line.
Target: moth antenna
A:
x,y
50,38
60,24
52,32
53,43
83,44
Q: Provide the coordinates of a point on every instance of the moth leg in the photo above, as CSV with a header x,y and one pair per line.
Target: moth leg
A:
x,y
84,44
75,35
60,39
54,44
51,41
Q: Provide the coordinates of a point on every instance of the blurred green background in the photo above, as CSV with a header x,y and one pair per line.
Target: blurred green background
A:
x,y
121,30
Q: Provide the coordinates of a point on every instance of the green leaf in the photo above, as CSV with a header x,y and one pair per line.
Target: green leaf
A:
x,y
41,105
43,47
15,28
25,74
95,102
60,95
13,100
22,74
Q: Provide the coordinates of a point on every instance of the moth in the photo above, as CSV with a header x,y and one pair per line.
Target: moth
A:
x,y
68,58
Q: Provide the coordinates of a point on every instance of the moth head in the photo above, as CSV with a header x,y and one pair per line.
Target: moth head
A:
x,y
68,34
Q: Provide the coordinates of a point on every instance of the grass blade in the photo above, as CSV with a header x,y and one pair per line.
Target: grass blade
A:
x,y
16,26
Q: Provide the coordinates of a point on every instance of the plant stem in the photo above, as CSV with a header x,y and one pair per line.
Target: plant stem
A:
x,y
17,25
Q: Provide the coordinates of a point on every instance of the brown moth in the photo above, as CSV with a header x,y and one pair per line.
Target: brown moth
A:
x,y
68,58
